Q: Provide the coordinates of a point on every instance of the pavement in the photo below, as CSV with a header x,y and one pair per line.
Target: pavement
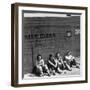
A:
x,y
74,72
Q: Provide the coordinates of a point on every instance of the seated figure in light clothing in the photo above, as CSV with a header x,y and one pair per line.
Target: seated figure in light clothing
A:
x,y
41,67
70,60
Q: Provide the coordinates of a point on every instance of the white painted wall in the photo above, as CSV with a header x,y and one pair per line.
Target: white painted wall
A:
x,y
5,44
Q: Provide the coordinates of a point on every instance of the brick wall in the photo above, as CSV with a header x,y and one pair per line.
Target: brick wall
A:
x,y
61,42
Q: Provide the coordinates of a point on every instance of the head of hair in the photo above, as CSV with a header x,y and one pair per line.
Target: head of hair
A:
x,y
56,54
68,52
39,56
50,56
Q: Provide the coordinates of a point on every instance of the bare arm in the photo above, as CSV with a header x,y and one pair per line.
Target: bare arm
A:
x,y
42,62
54,65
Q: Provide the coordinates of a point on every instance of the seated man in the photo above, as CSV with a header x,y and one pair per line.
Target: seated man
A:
x,y
60,61
69,60
41,67
53,65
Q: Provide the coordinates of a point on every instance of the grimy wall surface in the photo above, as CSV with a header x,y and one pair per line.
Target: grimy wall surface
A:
x,y
48,35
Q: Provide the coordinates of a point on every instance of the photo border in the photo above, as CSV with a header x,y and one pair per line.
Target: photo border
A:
x,y
14,43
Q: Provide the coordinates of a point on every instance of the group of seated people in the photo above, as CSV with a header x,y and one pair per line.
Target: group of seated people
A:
x,y
55,64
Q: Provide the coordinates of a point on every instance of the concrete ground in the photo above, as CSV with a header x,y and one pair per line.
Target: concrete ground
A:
x,y
74,72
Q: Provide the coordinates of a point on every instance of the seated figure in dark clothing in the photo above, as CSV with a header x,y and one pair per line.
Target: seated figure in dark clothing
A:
x,y
60,61
53,65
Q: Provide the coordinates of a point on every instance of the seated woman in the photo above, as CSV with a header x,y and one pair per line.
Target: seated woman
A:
x,y
53,65
41,67
60,61
69,60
